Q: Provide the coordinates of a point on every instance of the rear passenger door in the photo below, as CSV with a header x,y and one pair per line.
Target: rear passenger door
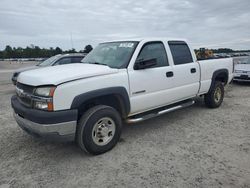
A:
x,y
186,71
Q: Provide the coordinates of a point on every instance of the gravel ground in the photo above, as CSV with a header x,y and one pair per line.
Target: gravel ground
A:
x,y
193,147
8,67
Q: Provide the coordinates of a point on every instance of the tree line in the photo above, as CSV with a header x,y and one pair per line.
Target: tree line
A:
x,y
33,51
226,50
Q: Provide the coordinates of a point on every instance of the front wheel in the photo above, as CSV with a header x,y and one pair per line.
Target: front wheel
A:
x,y
99,129
215,96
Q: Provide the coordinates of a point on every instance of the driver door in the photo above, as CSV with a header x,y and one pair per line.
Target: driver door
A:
x,y
149,87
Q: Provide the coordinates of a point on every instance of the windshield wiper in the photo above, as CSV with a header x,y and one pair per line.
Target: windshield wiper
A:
x,y
96,63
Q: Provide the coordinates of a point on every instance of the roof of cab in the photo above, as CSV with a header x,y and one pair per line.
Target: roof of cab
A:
x,y
147,39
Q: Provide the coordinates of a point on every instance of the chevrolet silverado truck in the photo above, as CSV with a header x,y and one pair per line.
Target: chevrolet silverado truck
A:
x,y
119,81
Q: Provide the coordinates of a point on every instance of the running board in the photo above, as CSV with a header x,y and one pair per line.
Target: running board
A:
x,y
155,114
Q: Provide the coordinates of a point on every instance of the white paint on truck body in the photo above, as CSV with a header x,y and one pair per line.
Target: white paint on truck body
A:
x,y
147,89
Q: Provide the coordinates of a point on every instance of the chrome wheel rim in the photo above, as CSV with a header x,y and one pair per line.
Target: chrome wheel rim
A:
x,y
217,95
103,131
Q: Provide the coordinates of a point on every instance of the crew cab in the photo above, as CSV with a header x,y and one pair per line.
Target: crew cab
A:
x,y
119,81
59,59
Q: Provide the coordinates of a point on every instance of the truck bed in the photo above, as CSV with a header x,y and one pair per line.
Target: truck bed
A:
x,y
208,68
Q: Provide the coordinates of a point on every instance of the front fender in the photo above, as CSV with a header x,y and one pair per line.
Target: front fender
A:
x,y
118,91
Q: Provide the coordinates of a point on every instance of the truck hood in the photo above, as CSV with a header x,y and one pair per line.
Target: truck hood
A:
x,y
63,73
243,67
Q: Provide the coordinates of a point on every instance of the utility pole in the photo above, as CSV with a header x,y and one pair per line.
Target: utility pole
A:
x,y
71,40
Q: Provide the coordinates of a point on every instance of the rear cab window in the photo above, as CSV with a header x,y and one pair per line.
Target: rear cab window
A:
x,y
180,52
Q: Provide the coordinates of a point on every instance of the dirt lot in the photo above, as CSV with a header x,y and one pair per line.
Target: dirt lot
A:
x,y
193,147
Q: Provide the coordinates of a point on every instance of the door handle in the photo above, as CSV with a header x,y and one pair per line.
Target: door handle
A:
x,y
193,70
169,74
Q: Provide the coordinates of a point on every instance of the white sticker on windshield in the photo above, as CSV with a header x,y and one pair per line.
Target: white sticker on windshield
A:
x,y
126,45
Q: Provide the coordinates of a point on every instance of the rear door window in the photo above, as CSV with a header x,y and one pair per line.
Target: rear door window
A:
x,y
180,52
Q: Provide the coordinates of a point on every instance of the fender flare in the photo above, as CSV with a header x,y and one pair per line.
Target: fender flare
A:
x,y
215,74
121,92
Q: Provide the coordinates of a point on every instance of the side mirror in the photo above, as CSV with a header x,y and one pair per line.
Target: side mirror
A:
x,y
144,64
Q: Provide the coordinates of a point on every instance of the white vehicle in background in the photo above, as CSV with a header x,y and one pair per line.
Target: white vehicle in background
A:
x,y
60,59
242,71
119,81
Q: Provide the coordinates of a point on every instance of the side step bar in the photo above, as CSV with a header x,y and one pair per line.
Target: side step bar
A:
x,y
155,114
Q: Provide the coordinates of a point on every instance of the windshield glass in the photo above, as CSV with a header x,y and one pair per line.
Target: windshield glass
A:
x,y
48,61
112,54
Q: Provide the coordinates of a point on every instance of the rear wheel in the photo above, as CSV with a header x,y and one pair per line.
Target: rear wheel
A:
x,y
99,129
215,96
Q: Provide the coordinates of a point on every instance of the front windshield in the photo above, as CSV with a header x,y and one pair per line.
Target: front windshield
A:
x,y
48,61
112,54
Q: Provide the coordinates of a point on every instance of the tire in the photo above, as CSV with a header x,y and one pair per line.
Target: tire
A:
x,y
215,96
99,129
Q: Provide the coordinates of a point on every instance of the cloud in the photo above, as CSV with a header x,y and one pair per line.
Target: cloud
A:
x,y
208,23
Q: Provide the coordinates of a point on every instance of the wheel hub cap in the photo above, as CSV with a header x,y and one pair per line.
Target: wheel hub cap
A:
x,y
217,95
103,131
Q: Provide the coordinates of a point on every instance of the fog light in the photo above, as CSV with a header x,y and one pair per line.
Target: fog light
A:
x,y
41,105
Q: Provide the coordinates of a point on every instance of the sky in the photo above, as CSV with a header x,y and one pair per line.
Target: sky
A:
x,y
76,23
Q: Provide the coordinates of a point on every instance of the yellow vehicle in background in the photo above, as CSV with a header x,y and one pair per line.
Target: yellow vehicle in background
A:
x,y
204,53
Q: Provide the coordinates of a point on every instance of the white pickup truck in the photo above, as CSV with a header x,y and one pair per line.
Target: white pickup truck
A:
x,y
119,81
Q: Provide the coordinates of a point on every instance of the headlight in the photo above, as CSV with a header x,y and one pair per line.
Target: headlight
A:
x,y
43,98
45,91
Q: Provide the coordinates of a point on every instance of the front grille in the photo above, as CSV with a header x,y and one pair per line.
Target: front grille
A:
x,y
24,93
26,88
